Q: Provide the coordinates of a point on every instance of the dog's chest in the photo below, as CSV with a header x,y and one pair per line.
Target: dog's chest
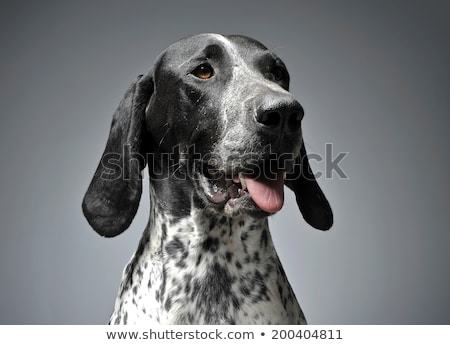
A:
x,y
225,273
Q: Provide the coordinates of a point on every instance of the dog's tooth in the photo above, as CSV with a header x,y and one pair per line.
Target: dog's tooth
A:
x,y
216,188
242,179
284,175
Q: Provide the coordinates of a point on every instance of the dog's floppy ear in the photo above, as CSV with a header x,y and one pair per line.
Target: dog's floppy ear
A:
x,y
310,199
113,196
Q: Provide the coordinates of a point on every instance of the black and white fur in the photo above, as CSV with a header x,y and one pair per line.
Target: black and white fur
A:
x,y
204,259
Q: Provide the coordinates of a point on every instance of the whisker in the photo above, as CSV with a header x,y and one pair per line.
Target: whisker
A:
x,y
165,134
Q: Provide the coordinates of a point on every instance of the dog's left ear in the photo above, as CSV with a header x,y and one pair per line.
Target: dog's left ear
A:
x,y
113,196
311,201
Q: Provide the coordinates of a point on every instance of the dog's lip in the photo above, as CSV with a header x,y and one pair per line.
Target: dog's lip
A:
x,y
221,188
232,190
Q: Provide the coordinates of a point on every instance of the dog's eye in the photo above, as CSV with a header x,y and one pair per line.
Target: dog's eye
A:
x,y
204,71
278,73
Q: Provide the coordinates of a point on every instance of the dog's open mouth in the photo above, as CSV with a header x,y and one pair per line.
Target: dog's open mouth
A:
x,y
266,189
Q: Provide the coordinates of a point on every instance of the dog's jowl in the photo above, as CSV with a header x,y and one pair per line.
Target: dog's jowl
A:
x,y
214,122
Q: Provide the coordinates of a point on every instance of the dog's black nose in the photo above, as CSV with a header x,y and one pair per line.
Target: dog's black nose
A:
x,y
279,114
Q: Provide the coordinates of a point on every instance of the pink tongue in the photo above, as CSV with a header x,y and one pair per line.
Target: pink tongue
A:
x,y
267,193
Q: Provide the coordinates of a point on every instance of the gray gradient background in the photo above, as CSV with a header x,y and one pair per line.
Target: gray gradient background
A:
x,y
374,80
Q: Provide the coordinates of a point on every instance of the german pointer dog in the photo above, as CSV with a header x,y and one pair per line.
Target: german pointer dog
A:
x,y
221,135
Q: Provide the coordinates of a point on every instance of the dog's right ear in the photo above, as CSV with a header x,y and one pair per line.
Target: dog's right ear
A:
x,y
113,196
311,201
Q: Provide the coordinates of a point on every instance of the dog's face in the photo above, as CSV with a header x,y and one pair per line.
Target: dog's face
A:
x,y
221,129
231,106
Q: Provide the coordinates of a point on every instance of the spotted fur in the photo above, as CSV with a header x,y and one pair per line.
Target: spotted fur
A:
x,y
205,269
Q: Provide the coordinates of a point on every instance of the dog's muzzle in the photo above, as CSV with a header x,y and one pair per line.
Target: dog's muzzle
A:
x,y
256,179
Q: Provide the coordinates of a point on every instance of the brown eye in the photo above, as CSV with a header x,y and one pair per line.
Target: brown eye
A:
x,y
204,71
278,73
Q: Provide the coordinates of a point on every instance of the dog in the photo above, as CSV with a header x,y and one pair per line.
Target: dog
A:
x,y
221,135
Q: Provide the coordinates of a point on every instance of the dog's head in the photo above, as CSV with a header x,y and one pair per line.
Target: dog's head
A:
x,y
217,126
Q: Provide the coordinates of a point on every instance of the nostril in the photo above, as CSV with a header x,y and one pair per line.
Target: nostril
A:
x,y
294,121
270,119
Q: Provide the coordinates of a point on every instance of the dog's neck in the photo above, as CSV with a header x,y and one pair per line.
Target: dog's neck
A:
x,y
205,268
